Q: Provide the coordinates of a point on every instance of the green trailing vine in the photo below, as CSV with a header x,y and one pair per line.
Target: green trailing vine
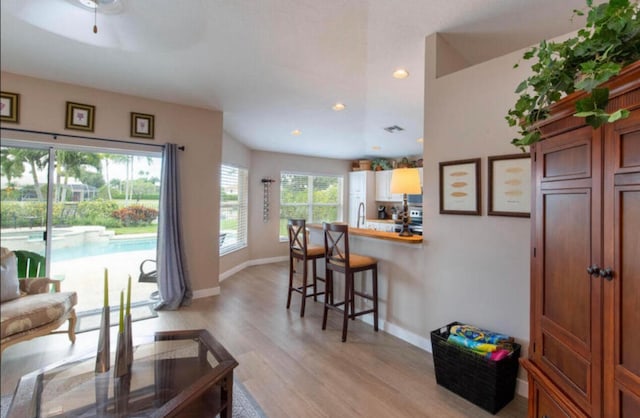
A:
x,y
609,41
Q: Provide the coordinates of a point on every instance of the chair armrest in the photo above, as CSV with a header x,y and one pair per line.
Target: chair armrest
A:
x,y
37,285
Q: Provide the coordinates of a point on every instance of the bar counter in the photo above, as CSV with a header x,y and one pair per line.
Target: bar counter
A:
x,y
371,233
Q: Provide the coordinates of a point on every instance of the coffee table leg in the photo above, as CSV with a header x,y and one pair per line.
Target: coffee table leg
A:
x,y
227,396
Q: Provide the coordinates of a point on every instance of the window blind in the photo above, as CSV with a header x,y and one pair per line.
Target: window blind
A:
x,y
234,199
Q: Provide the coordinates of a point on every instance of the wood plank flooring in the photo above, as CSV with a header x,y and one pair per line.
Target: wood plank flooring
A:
x,y
289,365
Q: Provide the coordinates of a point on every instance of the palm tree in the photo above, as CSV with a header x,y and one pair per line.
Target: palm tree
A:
x,y
12,167
35,159
73,164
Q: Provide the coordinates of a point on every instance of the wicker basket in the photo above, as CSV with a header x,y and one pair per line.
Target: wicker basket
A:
x,y
487,383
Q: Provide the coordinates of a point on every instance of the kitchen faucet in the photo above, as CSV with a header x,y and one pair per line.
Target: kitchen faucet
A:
x,y
360,206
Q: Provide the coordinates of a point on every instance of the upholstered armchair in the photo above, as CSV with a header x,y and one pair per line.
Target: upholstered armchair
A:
x,y
32,307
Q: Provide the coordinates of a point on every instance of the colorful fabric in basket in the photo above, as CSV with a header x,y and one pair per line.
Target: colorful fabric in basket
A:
x,y
471,344
480,335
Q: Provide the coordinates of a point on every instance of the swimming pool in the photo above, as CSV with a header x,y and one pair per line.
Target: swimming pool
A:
x,y
111,247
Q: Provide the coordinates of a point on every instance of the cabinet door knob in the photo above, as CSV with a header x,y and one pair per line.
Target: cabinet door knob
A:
x,y
606,273
593,269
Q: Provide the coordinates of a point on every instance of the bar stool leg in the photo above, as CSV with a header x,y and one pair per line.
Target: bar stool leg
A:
x,y
328,296
315,282
353,297
290,282
348,301
375,297
304,287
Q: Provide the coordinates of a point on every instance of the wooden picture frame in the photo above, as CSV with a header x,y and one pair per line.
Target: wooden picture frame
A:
x,y
460,187
9,107
80,117
509,185
142,125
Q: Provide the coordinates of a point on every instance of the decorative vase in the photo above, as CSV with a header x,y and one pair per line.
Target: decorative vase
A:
x,y
128,341
121,367
103,357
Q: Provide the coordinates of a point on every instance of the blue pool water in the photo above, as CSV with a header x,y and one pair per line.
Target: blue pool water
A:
x,y
113,246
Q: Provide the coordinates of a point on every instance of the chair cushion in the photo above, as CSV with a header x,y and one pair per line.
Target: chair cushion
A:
x,y
312,250
32,311
9,285
357,261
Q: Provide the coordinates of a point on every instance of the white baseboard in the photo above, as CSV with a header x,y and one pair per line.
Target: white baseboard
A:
x,y
205,293
242,266
522,386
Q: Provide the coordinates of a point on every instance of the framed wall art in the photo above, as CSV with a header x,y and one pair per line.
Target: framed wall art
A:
x,y
142,125
80,117
460,187
9,107
510,185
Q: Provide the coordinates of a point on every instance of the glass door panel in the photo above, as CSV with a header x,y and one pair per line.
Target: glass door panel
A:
x,y
23,184
105,213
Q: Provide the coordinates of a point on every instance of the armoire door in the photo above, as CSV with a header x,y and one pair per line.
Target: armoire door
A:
x,y
567,345
621,268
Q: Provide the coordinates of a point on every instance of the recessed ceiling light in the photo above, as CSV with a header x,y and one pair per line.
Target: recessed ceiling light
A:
x,y
338,107
376,148
296,132
420,140
400,73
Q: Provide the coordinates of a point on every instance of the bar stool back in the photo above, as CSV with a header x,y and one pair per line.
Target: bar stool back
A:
x,y
299,249
339,259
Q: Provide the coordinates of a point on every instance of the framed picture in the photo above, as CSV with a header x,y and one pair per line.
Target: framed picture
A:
x,y
460,187
141,125
80,117
9,107
510,185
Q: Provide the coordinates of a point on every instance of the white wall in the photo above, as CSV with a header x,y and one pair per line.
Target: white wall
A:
x,y
476,268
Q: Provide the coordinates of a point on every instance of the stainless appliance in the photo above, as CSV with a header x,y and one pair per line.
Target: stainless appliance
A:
x,y
382,212
414,199
415,221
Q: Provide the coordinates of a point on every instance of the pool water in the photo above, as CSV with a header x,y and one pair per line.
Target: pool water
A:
x,y
113,246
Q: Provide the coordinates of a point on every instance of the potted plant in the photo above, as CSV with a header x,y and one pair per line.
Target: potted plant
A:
x,y
380,164
609,41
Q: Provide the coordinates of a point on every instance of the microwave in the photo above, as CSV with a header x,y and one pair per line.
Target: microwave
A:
x,y
414,199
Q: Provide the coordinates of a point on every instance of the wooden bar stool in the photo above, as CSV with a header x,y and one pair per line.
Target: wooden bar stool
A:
x,y
338,258
299,249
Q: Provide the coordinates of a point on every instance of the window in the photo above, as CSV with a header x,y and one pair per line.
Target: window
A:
x,y
234,191
315,198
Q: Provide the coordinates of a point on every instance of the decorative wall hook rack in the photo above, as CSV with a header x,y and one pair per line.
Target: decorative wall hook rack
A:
x,y
266,184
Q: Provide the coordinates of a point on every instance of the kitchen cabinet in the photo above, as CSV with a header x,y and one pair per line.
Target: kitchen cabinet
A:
x,y
383,187
361,190
584,356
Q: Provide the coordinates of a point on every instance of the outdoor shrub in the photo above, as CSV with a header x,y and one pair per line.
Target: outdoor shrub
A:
x,y
135,215
22,214
96,210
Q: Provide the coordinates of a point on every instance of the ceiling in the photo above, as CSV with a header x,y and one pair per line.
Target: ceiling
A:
x,y
273,66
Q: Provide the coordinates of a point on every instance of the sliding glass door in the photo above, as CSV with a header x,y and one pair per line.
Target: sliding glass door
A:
x,y
101,211
24,188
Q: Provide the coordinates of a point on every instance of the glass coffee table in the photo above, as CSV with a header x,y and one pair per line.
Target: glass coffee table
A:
x,y
174,374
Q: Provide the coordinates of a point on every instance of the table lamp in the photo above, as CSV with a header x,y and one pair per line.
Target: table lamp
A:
x,y
405,181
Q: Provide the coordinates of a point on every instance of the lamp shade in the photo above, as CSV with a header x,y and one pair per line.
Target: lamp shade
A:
x,y
405,180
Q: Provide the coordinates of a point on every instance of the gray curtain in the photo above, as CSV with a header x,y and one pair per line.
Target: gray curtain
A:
x,y
173,283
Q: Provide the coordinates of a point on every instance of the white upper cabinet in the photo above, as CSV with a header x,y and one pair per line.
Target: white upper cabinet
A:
x,y
383,187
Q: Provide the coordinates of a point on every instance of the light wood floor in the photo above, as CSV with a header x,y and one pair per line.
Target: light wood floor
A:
x,y
290,366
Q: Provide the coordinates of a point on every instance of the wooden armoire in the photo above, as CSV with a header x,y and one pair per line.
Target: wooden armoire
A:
x,y
584,354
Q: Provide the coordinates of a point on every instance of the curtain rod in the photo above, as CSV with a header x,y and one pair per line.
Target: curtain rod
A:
x,y
56,135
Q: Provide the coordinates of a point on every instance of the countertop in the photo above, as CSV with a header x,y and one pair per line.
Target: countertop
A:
x,y
370,233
